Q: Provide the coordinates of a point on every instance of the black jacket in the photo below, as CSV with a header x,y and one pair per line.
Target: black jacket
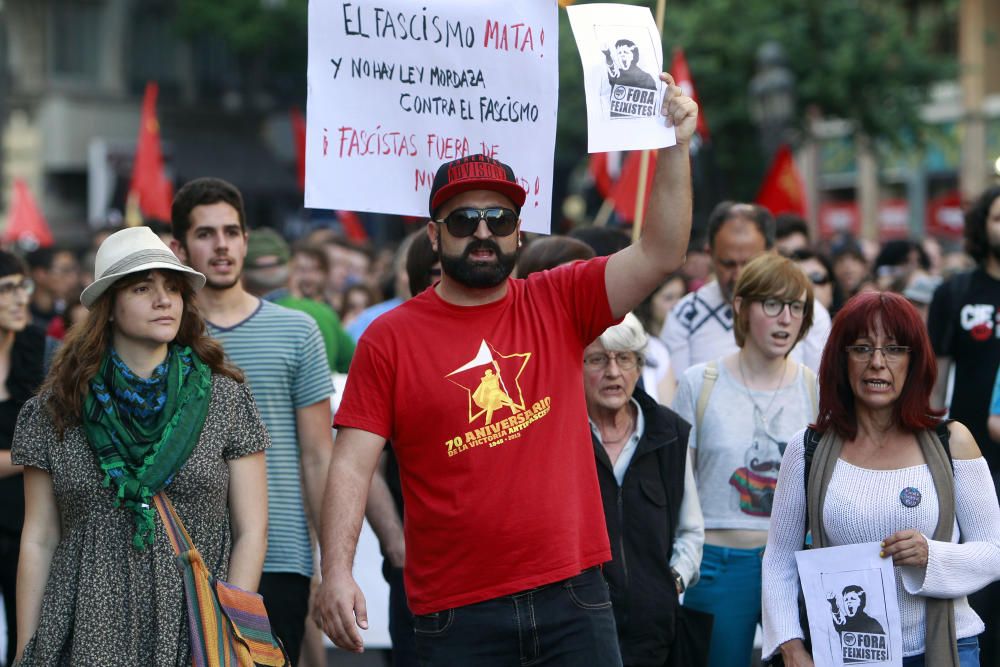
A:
x,y
642,516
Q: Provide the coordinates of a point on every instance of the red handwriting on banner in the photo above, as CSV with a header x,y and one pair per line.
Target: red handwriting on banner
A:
x,y
531,188
513,37
356,142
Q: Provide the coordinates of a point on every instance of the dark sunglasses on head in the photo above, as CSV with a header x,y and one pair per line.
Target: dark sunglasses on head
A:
x,y
819,279
464,222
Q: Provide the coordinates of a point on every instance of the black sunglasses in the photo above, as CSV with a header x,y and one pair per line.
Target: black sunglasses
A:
x,y
819,279
463,222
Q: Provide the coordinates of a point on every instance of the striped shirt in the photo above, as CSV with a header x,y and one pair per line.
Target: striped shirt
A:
x,y
281,351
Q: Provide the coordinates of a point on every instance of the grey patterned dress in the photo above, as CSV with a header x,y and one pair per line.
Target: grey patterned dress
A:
x,y
105,603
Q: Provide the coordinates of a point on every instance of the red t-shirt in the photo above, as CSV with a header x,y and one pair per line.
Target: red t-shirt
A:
x,y
485,409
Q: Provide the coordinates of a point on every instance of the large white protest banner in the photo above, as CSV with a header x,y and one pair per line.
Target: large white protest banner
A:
x,y
850,595
622,59
398,87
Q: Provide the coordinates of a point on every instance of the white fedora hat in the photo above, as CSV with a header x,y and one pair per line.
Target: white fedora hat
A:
x,y
133,250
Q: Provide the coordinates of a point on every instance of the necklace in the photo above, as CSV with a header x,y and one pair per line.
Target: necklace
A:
x,y
629,429
774,393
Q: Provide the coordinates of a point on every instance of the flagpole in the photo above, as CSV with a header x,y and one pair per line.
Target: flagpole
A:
x,y
640,193
604,214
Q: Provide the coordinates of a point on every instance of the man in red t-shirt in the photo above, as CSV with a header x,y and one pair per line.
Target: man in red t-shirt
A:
x,y
478,383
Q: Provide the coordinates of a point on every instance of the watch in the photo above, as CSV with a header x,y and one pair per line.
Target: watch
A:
x,y
678,580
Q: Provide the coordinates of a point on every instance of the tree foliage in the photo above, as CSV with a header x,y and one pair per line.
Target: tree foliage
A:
x,y
267,37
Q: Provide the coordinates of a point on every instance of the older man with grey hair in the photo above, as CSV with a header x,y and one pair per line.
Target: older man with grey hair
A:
x,y
650,500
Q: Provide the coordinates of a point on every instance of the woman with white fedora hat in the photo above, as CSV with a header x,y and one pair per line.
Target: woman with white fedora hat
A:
x,y
139,400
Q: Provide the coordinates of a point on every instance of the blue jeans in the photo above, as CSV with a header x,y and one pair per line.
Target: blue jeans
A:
x,y
565,624
968,654
729,589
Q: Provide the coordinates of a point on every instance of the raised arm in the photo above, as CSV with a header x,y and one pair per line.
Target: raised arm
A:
x,y
636,271
339,605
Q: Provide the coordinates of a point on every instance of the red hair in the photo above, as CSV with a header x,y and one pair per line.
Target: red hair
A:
x,y
912,410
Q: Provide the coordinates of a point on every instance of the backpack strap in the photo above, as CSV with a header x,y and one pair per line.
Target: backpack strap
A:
x,y
810,379
710,375
944,435
809,443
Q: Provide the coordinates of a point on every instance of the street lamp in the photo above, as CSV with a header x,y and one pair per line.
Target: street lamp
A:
x,y
772,97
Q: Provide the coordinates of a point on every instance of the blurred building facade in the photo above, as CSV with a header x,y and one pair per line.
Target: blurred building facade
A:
x,y
72,74
881,192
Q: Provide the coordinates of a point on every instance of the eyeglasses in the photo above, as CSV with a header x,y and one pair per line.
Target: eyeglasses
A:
x,y
773,307
819,279
26,285
598,362
864,353
463,222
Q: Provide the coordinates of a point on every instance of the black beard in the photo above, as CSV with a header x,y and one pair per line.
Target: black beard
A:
x,y
995,251
478,275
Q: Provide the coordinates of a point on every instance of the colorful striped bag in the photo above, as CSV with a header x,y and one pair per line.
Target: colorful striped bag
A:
x,y
228,625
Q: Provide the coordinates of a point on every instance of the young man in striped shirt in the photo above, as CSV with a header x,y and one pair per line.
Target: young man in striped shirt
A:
x,y
282,353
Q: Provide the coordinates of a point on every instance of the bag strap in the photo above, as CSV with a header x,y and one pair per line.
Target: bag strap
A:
x,y
179,538
944,435
810,441
710,375
810,379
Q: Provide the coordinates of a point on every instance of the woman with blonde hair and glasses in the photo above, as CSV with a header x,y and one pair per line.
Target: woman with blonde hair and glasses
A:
x,y
744,408
139,401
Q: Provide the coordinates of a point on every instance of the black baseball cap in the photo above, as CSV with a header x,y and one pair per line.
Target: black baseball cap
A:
x,y
474,172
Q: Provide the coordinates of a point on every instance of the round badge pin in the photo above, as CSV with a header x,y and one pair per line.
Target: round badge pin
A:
x,y
910,496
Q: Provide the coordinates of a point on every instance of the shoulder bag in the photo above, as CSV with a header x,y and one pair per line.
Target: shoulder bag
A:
x,y
228,626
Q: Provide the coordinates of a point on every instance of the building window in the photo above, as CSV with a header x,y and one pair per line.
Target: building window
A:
x,y
75,39
153,47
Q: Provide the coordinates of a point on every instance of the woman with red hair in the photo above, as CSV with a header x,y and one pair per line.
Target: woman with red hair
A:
x,y
884,467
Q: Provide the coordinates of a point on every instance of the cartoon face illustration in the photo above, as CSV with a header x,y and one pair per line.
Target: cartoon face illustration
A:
x,y
626,53
853,603
758,477
764,454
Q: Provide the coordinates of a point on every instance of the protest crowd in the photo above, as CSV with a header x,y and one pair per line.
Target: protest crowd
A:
x,y
586,448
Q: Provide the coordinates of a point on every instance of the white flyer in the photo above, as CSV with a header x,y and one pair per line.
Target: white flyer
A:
x,y
850,595
396,88
622,59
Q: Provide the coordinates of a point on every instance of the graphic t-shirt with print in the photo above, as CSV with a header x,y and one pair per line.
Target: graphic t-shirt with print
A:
x,y
964,324
485,409
740,442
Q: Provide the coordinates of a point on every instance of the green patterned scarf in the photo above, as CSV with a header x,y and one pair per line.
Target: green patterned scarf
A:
x,y
143,430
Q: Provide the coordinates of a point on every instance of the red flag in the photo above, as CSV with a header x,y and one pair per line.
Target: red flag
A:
x,y
625,190
783,190
25,224
605,168
299,137
682,77
354,229
149,183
